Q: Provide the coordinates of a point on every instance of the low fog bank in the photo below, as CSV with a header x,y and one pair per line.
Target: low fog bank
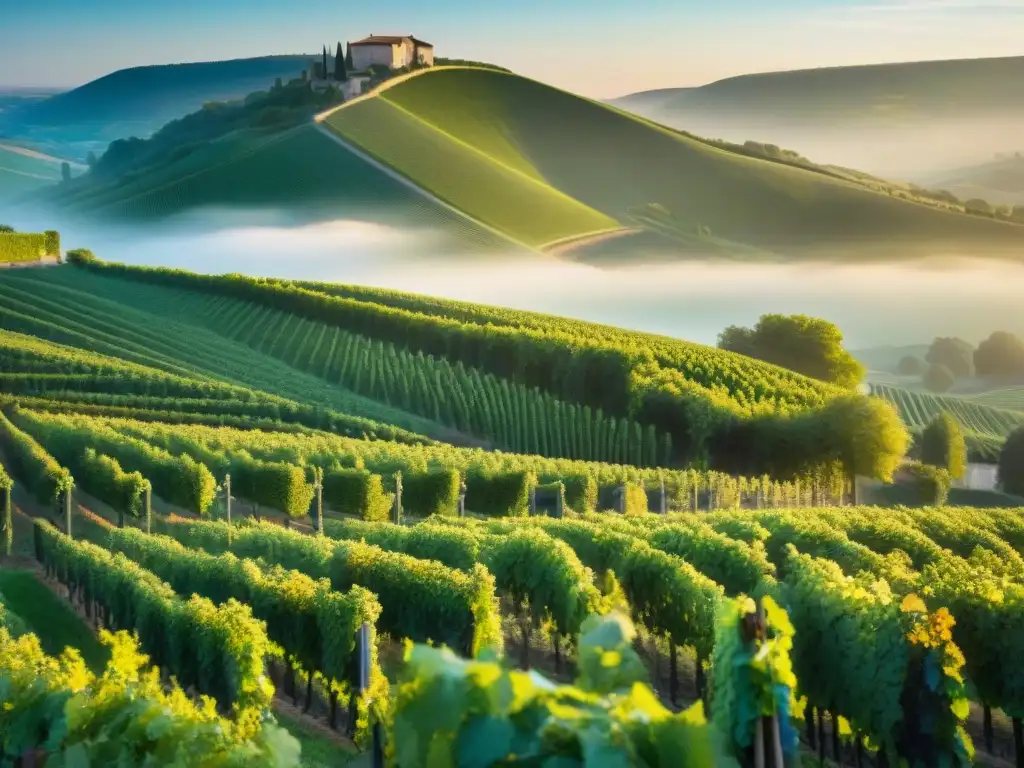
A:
x,y
873,304
907,149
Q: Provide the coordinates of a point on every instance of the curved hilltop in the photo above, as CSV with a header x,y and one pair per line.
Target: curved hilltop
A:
x,y
511,152
502,161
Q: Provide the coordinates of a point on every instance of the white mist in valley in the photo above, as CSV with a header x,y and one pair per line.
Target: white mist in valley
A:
x,y
874,304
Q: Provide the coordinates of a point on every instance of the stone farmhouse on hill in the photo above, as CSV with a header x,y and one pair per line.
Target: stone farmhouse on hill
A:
x,y
391,51
375,52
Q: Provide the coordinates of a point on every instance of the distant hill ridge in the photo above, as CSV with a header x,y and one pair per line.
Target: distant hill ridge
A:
x,y
930,87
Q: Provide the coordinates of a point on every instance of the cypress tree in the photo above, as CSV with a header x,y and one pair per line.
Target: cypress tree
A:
x,y
324,73
340,71
348,58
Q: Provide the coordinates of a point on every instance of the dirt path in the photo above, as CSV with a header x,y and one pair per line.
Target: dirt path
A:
x,y
38,155
569,244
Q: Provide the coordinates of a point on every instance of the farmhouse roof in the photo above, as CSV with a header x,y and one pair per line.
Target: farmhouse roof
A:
x,y
391,40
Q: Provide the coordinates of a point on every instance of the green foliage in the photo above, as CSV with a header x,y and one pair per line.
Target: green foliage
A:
x,y
431,493
709,402
218,649
277,485
80,256
448,709
356,492
102,477
22,246
57,705
178,479
43,476
739,567
930,483
984,425
314,625
863,655
804,344
1011,463
634,500
499,494
51,242
420,599
752,675
943,446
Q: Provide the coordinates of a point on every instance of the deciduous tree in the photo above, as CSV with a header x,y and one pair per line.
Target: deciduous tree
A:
x,y
956,354
1001,354
807,345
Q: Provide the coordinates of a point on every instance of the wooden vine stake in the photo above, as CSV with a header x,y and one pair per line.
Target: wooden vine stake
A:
x,y
755,630
396,511
318,484
365,657
149,508
67,512
8,522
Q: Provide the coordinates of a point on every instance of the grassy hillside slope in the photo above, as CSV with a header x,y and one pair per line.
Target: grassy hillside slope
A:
x,y
300,171
870,93
137,101
459,132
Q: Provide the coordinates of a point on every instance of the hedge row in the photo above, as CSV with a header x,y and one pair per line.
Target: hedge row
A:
x,y
220,650
37,469
22,246
178,479
315,625
421,600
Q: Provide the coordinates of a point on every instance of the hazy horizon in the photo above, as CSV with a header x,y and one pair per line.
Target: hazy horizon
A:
x,y
709,43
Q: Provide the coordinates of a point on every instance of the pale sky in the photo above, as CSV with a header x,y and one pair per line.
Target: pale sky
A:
x,y
594,47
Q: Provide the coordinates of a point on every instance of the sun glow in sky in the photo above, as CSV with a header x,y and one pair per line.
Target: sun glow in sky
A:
x,y
598,48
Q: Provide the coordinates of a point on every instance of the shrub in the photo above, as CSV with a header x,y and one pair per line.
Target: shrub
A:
x,y
635,501
499,494
356,492
931,484
22,246
580,493
51,242
80,256
943,446
431,493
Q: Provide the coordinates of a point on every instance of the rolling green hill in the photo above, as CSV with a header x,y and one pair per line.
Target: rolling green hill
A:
x,y
137,101
526,158
301,171
863,94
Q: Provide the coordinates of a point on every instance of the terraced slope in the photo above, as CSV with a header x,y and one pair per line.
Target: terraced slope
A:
x,y
86,316
512,152
918,408
1009,398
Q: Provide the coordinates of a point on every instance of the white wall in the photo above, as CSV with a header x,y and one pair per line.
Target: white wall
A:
x,y
984,477
364,56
